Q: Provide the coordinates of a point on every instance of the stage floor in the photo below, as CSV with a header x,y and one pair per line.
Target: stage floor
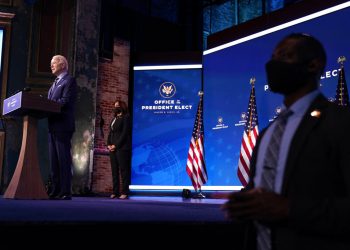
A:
x,y
103,209
139,221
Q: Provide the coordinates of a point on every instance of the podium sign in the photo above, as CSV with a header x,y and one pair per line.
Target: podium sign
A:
x,y
12,103
26,103
26,182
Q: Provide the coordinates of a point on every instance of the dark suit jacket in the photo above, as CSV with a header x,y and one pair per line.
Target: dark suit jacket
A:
x,y
316,181
64,93
120,133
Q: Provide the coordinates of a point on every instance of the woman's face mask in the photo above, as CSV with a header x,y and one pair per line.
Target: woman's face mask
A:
x,y
118,110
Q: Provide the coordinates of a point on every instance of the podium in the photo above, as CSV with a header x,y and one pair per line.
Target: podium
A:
x,y
26,182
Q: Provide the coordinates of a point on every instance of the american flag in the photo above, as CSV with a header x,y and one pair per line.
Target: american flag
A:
x,y
250,135
342,96
195,167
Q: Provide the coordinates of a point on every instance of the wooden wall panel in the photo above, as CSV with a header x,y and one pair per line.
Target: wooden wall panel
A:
x,y
52,32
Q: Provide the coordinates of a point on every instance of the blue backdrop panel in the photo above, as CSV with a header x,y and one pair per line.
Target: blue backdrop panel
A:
x,y
164,107
226,87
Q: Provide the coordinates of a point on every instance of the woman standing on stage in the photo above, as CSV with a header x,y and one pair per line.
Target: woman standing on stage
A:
x,y
119,146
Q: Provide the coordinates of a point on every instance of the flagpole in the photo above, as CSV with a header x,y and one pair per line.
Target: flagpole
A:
x,y
250,134
199,194
195,166
342,96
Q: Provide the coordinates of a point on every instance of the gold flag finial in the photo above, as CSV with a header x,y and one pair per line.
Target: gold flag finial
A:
x,y
200,93
341,60
252,80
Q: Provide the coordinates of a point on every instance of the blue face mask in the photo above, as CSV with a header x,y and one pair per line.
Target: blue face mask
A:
x,y
286,78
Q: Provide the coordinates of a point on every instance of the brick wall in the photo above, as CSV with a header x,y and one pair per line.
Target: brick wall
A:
x,y
113,83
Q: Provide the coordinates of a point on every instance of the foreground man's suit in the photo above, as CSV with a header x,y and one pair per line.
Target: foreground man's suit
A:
x,y
316,182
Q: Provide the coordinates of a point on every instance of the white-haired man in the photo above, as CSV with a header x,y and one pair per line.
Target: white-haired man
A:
x,y
61,129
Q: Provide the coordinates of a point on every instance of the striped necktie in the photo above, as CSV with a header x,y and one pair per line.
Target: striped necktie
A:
x,y
53,87
269,173
55,82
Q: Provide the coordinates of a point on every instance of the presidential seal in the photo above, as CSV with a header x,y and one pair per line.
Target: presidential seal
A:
x,y
167,89
220,120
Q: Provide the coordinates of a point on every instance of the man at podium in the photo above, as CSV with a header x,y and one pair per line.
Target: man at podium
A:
x,y
61,128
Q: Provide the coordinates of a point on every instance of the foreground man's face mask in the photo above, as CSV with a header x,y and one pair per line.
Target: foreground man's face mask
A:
x,y
285,78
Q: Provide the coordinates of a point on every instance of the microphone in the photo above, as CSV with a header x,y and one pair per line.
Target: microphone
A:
x,y
14,92
25,89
